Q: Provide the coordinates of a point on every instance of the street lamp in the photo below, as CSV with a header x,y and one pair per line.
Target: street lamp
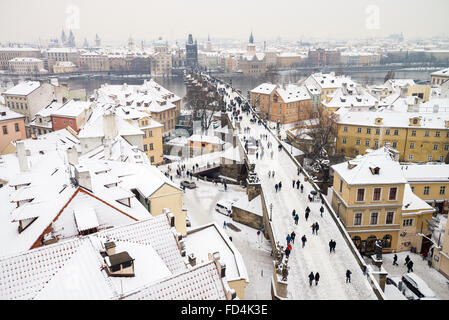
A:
x,y
271,211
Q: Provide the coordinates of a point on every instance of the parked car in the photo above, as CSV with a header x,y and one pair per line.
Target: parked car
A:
x,y
224,207
418,287
188,184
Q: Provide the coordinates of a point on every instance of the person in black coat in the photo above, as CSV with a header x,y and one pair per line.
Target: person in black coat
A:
x,y
307,215
311,278
297,184
317,278
287,252
330,246
294,182
322,210
395,260
304,240
280,185
348,276
276,187
410,266
407,259
302,188
317,226
293,236
293,213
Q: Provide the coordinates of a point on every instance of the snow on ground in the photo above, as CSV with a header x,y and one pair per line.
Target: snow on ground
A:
x,y
435,280
315,256
200,204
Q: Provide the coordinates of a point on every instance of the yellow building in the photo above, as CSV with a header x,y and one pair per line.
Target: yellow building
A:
x,y
430,183
441,254
64,67
328,83
200,144
439,77
372,198
419,137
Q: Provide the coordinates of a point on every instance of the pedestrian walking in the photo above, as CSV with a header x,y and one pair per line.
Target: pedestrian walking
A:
x,y
395,260
302,188
410,266
313,228
307,215
311,278
348,276
288,238
296,219
269,174
257,155
271,154
330,246
294,213
272,174
294,182
298,171
407,259
304,240
334,244
317,227
321,210
287,252
297,184
224,225
289,247
293,236
276,187
317,278
280,185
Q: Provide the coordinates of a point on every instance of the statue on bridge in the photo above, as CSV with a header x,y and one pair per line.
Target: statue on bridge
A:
x,y
378,249
284,271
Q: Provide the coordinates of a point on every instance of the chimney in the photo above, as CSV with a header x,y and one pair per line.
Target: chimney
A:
x,y
109,125
83,178
192,259
110,248
72,156
21,154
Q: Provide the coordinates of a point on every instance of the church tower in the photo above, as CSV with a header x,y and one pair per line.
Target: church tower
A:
x,y
251,49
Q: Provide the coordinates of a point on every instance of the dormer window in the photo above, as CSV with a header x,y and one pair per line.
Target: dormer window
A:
x,y
375,170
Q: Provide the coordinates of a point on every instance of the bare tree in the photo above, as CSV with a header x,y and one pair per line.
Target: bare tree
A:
x,y
389,75
204,101
320,128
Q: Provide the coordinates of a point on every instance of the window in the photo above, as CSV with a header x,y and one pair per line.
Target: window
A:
x,y
357,142
435,147
367,143
437,133
429,158
145,147
150,133
16,125
410,156
426,190
152,159
386,241
64,121
376,144
54,120
395,144
345,129
390,217
387,132
446,147
377,131
344,141
359,130
407,222
341,186
376,194
358,219
441,158
360,195
396,132
442,190
151,146
412,145
368,130
374,216
414,133
393,193
426,134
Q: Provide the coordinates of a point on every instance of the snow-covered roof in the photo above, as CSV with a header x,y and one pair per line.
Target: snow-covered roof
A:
x,y
72,108
264,88
23,88
426,172
414,204
207,139
95,128
209,239
253,206
7,114
441,73
85,219
25,60
359,171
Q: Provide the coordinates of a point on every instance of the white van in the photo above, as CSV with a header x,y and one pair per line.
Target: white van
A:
x,y
418,287
224,207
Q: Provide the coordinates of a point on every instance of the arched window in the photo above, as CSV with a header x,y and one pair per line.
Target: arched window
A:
x,y
386,241
357,241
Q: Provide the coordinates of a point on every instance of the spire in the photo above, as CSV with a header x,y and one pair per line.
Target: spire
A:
x,y
251,38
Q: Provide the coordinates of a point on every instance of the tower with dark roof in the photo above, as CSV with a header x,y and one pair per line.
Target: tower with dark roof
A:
x,y
191,53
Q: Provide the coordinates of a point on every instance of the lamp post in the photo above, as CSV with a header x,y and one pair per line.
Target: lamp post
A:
x,y
271,211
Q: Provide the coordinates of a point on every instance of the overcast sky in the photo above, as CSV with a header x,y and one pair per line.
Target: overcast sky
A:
x,y
29,20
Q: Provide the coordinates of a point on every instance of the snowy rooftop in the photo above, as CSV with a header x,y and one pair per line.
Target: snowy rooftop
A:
x,y
441,73
95,127
23,88
72,108
253,206
207,139
412,203
360,170
7,114
209,239
426,172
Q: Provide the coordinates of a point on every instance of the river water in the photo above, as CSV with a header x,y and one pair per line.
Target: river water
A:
x,y
245,84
